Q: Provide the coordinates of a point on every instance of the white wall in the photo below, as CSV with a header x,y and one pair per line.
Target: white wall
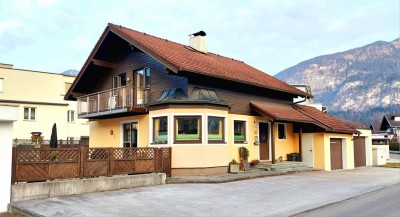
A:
x,y
8,114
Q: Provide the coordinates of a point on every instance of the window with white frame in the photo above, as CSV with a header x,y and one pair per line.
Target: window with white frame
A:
x,y
29,113
281,131
187,129
239,128
160,130
215,127
71,116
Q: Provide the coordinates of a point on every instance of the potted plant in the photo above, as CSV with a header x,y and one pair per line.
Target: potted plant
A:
x,y
233,166
244,154
254,162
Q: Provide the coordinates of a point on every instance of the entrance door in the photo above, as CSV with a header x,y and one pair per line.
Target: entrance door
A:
x,y
130,135
359,152
307,149
263,137
336,154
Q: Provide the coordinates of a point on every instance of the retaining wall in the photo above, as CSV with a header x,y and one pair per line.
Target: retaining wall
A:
x,y
39,190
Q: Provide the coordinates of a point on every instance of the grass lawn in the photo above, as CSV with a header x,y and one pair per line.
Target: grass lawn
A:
x,y
392,165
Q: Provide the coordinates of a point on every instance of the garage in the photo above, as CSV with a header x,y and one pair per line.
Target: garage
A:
x,y
336,154
359,152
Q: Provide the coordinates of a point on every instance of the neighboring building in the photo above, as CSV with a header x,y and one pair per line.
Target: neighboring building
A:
x,y
139,90
39,97
309,100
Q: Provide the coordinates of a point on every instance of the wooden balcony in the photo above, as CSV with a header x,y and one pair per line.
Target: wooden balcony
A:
x,y
113,101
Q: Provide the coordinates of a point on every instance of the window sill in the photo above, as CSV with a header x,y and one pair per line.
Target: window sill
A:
x,y
29,120
238,143
159,143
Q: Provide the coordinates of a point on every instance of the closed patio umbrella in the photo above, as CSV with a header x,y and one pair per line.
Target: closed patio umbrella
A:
x,y
53,137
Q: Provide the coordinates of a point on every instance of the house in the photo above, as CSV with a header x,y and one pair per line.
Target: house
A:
x,y
307,101
391,125
39,98
139,90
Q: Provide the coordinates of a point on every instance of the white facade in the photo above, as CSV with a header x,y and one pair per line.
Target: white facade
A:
x,y
39,97
8,114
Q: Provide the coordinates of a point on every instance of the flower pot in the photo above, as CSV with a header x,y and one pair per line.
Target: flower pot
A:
x,y
233,168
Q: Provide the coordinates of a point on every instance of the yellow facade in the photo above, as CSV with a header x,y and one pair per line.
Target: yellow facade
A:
x,y
108,133
44,92
321,150
288,145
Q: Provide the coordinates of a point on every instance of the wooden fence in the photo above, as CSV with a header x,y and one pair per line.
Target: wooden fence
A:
x,y
40,164
46,143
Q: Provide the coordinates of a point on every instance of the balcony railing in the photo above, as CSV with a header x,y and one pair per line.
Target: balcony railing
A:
x,y
113,100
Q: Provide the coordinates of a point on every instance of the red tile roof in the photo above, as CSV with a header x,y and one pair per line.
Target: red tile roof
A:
x,y
301,114
333,124
178,57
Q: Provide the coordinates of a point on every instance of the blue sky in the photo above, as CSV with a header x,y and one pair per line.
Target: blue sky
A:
x,y
271,35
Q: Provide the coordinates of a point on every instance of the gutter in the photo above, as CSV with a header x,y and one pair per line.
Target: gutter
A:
x,y
293,106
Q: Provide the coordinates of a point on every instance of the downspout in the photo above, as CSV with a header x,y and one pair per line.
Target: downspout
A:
x,y
300,131
272,142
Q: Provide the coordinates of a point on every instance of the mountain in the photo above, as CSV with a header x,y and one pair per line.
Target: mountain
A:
x,y
357,84
71,72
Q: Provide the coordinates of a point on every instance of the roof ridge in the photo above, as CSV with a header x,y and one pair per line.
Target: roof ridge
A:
x,y
220,55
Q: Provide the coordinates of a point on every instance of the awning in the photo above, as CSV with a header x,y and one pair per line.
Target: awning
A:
x,y
300,114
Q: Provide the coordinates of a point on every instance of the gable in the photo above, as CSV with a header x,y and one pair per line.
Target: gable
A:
x,y
182,59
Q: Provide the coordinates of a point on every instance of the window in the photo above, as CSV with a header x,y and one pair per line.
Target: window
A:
x,y
239,131
281,131
29,113
119,81
187,129
142,83
71,116
160,130
142,78
216,129
1,84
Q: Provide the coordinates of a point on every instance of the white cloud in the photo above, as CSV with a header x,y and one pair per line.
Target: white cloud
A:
x,y
9,24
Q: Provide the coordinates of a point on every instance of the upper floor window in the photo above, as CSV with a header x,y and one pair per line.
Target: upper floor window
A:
x,y
160,130
215,129
142,78
281,131
29,113
119,81
71,116
187,129
239,131
1,84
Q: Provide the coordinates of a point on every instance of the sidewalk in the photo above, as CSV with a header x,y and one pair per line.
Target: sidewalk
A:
x,y
228,177
270,196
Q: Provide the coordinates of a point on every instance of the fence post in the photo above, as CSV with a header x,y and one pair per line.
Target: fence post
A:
x,y
82,152
156,161
170,161
110,161
14,165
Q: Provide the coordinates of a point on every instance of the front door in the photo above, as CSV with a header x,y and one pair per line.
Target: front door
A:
x,y
263,138
307,149
130,135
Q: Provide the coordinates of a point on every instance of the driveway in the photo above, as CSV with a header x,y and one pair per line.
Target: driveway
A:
x,y
270,196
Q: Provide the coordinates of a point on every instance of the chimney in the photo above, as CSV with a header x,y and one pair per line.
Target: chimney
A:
x,y
197,41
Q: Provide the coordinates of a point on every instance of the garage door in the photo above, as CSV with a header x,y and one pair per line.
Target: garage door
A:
x,y
359,152
336,154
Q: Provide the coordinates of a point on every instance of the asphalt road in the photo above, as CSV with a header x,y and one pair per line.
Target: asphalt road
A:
x,y
270,196
383,202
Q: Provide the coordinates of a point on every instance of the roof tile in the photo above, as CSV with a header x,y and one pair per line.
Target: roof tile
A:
x,y
183,58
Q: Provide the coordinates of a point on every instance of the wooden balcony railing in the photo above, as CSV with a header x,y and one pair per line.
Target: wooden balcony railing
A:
x,y
111,100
